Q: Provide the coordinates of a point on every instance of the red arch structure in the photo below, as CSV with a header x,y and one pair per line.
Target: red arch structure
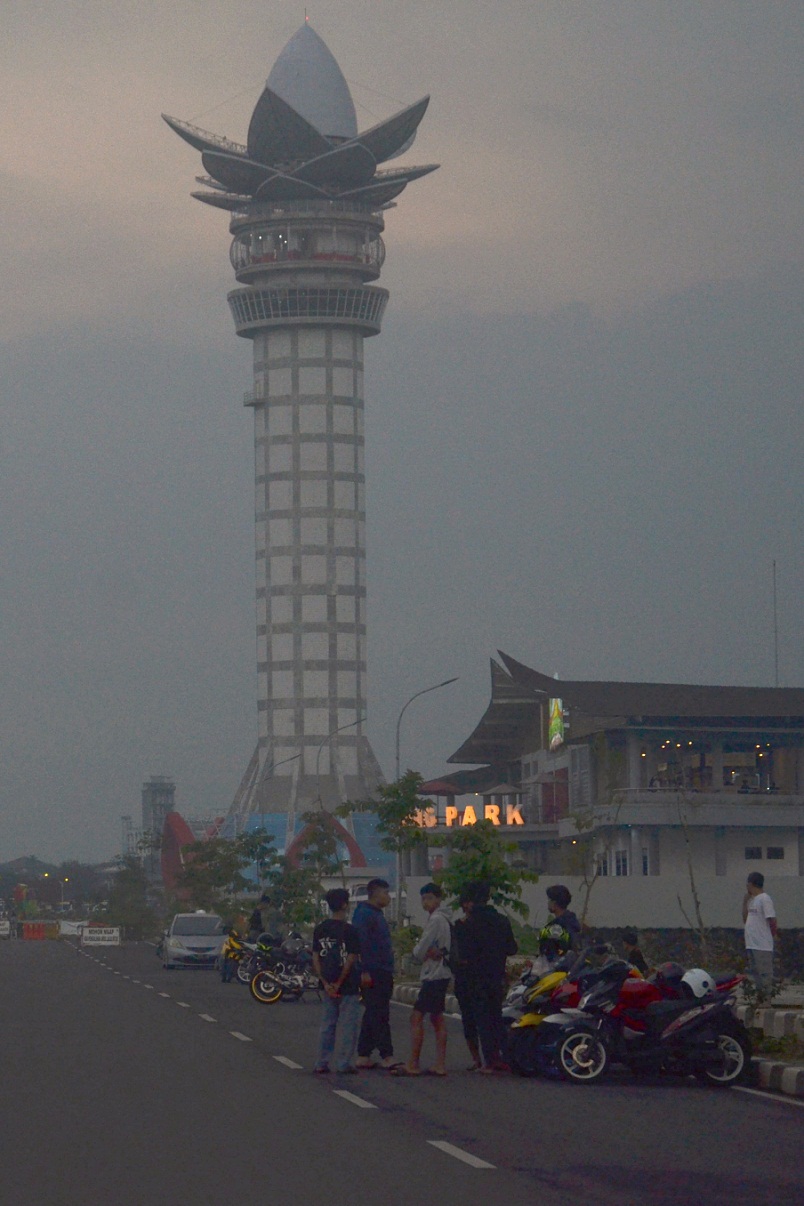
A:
x,y
296,848
175,834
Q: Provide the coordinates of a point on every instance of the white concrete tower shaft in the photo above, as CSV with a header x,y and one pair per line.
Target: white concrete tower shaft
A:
x,y
307,307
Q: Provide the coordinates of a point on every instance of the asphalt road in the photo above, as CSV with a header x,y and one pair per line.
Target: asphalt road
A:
x,y
127,1084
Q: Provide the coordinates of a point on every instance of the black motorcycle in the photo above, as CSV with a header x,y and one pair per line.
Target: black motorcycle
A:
x,y
616,1022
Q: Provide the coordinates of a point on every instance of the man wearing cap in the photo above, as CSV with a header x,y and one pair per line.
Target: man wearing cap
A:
x,y
432,951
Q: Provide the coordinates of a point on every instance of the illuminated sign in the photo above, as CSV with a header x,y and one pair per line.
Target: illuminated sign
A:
x,y
556,727
498,814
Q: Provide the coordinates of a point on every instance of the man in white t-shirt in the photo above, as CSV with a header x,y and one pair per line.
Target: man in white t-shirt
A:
x,y
759,916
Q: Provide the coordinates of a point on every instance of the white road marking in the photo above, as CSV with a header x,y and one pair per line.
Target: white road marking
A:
x,y
183,1004
283,1059
243,1037
136,981
164,994
355,1100
459,1153
147,986
207,1017
779,1098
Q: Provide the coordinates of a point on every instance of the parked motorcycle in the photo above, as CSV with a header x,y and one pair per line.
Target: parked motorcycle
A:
x,y
631,1022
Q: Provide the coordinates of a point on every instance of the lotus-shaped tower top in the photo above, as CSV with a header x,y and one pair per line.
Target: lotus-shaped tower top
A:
x,y
303,142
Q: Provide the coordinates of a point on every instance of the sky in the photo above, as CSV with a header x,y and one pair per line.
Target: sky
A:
x,y
584,426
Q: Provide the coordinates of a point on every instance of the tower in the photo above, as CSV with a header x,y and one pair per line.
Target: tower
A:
x,y
307,200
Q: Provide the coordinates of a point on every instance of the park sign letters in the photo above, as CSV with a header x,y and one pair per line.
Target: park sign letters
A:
x,y
505,816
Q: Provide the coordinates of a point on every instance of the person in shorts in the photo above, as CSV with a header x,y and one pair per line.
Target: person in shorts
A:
x,y
432,951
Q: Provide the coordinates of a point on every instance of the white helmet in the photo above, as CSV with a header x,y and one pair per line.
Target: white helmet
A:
x,y
697,982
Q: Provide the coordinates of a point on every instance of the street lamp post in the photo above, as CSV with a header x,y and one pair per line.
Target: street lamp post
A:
x,y
424,691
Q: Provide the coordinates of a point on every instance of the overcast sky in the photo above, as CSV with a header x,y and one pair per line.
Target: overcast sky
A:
x,y
584,413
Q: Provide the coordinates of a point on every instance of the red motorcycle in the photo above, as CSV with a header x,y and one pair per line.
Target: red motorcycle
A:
x,y
681,1025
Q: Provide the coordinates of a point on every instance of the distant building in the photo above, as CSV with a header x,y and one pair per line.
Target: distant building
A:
x,y
631,781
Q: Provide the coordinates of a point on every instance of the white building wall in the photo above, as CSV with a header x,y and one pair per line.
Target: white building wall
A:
x,y
652,903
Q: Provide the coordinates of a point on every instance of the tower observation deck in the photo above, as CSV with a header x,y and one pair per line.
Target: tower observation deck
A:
x,y
306,199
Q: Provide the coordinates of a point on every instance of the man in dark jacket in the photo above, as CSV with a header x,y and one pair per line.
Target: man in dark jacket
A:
x,y
377,978
487,941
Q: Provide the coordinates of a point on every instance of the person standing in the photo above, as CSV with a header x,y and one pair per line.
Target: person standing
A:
x,y
377,977
489,940
759,917
432,951
336,950
558,902
462,989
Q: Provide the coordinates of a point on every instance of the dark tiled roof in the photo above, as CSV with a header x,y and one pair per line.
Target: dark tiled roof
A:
x,y
508,720
670,700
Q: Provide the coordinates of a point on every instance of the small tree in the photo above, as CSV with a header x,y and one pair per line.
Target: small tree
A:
x,y
213,874
292,894
397,807
320,854
479,853
128,900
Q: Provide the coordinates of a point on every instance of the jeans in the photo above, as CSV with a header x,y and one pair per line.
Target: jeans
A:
x,y
375,1032
346,1011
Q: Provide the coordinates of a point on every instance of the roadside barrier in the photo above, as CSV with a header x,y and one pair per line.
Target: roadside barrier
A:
x,y
38,931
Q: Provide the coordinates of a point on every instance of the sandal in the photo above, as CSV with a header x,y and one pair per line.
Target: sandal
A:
x,y
401,1070
434,1072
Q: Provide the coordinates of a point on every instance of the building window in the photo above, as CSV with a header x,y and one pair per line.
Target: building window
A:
x,y
753,852
620,862
645,861
775,852
602,864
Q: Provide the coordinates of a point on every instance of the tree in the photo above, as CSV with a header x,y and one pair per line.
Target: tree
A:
x,y
213,874
320,853
128,900
292,894
397,807
479,854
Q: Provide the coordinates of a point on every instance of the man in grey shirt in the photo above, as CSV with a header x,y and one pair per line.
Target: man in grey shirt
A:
x,y
432,951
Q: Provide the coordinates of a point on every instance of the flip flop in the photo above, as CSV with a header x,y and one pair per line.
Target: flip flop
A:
x,y
391,1067
366,1067
434,1072
401,1070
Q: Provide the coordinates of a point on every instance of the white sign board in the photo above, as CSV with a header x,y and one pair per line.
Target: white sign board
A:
x,y
71,929
100,935
5,927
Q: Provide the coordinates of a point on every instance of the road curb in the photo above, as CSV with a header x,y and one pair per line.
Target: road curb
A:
x,y
780,1077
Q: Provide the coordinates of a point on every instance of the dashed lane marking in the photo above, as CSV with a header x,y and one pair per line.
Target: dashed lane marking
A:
x,y
355,1100
164,994
243,1037
206,1017
459,1153
779,1098
183,1004
289,1063
147,986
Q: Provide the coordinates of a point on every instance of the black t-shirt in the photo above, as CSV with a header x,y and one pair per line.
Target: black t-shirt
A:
x,y
333,941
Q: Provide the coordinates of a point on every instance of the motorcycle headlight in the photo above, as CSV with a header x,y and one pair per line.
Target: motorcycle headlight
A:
x,y
584,1001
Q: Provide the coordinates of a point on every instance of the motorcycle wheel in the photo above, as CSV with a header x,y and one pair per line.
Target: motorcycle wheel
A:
x,y
520,1051
582,1057
735,1047
265,989
244,973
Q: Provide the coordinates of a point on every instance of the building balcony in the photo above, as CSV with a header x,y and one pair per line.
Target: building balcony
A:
x,y
695,809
